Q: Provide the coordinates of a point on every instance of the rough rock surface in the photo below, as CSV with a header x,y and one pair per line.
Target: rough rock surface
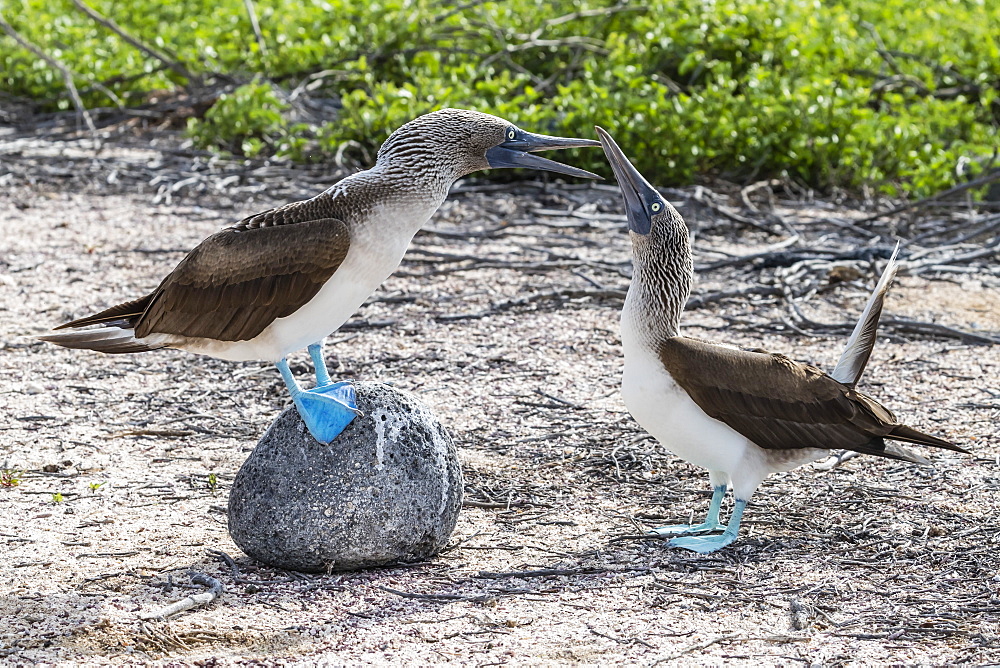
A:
x,y
387,489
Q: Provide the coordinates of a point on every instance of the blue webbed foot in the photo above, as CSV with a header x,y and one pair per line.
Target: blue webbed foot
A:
x,y
706,544
710,524
680,529
703,544
327,410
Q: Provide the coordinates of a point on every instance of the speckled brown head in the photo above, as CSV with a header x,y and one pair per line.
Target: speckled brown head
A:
x,y
451,143
661,250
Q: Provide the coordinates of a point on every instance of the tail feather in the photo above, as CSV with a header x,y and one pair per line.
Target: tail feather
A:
x,y
108,339
881,448
128,312
893,451
909,435
852,365
859,346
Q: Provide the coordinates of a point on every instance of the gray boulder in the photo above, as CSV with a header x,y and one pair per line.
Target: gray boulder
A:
x,y
388,489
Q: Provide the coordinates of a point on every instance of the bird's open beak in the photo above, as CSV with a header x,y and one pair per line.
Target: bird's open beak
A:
x,y
635,189
519,152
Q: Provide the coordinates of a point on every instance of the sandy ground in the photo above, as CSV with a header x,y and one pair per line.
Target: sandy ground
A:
x,y
872,561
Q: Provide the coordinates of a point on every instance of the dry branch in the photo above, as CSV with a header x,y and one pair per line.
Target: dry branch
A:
x,y
56,64
982,180
433,597
188,602
699,301
238,577
541,573
252,13
172,63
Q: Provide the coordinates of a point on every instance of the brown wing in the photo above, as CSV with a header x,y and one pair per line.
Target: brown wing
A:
x,y
237,282
780,404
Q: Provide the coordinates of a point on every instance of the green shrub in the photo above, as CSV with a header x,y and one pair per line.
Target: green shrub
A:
x,y
899,95
245,121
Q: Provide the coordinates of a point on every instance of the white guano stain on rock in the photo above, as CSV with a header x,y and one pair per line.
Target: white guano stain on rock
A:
x,y
387,425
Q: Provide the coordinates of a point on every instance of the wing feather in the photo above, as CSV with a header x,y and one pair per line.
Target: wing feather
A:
x,y
238,281
777,403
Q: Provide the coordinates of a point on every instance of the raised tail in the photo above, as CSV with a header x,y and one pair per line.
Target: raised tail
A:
x,y
854,359
852,365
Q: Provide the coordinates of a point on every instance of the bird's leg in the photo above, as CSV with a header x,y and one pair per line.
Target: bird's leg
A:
x,y
319,363
711,522
286,375
706,544
326,410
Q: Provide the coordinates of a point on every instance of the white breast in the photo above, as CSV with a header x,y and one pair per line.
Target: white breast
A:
x,y
661,406
673,418
669,414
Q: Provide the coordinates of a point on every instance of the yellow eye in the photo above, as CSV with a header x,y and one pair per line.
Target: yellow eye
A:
x,y
511,134
655,207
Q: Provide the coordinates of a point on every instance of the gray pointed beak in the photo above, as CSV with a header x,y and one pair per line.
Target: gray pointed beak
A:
x,y
635,189
519,152
532,143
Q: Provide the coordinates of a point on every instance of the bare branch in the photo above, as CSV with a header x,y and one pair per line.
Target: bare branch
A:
x,y
56,64
193,601
252,12
982,180
173,64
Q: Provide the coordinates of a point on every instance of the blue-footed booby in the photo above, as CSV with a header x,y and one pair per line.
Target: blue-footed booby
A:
x,y
284,279
742,414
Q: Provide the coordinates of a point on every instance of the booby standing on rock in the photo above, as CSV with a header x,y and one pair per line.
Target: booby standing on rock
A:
x,y
741,414
284,279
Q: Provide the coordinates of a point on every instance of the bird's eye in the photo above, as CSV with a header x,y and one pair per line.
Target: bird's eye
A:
x,y
511,134
656,207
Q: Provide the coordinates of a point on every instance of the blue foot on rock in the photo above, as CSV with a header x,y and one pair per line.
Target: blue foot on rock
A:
x,y
326,410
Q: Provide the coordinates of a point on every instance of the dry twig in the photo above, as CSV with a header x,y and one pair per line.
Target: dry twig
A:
x,y
188,602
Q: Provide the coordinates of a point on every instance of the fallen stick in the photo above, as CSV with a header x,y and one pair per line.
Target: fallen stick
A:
x,y
193,601
237,576
962,187
699,301
572,293
434,597
542,573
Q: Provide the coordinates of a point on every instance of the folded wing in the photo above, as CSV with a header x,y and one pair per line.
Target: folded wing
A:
x,y
240,280
780,404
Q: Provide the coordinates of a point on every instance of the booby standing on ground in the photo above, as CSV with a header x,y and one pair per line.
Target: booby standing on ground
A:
x,y
741,414
284,279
